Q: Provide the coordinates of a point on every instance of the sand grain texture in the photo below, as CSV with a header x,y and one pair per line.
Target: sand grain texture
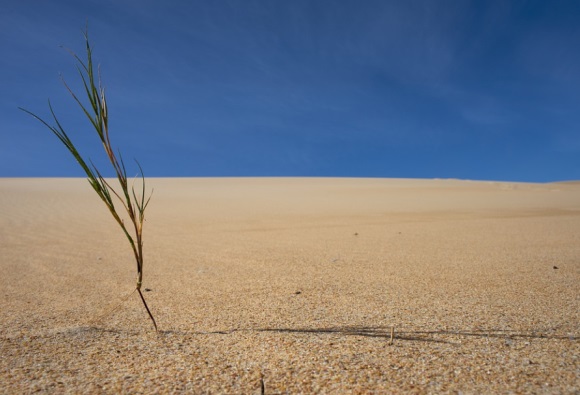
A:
x,y
298,281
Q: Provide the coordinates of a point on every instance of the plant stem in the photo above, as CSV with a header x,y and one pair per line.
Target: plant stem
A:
x,y
147,308
97,114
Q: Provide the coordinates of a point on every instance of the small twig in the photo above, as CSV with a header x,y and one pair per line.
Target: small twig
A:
x,y
392,336
262,385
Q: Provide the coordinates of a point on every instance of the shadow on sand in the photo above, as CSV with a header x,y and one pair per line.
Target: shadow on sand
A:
x,y
435,336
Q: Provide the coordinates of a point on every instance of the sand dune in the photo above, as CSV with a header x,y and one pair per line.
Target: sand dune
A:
x,y
296,281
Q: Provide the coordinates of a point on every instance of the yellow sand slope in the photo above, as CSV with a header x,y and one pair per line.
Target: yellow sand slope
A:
x,y
297,282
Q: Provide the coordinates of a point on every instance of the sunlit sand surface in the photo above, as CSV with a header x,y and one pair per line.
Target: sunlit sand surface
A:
x,y
296,283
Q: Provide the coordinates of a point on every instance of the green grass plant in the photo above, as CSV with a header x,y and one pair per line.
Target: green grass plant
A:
x,y
133,203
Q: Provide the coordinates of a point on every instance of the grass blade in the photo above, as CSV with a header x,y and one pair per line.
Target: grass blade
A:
x,y
97,114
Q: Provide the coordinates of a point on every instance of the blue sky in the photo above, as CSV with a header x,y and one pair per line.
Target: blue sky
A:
x,y
486,90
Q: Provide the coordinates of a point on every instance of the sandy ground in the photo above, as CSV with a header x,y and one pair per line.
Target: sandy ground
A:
x,y
296,282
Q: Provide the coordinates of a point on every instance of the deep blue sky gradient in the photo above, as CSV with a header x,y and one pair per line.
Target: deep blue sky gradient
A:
x,y
485,90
